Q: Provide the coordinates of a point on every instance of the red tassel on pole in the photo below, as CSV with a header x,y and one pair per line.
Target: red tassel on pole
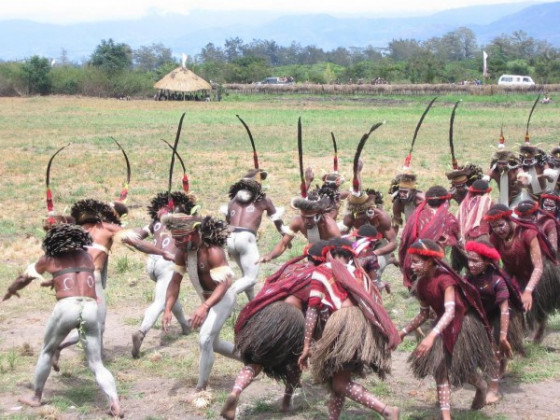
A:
x,y
186,184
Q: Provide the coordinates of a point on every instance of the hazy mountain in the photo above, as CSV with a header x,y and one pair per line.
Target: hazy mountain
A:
x,y
191,33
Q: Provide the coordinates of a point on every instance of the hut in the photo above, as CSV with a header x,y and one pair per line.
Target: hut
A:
x,y
182,84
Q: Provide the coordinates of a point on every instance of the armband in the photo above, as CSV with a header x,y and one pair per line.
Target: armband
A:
x,y
180,269
224,209
31,271
221,274
278,215
287,231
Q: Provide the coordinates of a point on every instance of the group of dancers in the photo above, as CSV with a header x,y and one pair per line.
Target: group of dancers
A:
x,y
484,276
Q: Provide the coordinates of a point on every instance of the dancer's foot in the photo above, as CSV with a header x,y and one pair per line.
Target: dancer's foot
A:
x,y
115,410
33,401
228,410
479,399
137,339
286,403
391,413
493,397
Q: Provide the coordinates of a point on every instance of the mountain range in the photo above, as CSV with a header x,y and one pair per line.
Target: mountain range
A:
x,y
190,33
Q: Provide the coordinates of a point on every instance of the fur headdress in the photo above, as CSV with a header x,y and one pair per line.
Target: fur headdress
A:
x,y
93,211
505,156
64,238
212,231
318,205
184,203
249,184
468,173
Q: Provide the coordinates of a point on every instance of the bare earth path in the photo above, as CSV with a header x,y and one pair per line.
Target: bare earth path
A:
x,y
158,385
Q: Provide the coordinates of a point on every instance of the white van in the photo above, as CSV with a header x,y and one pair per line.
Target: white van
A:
x,y
515,80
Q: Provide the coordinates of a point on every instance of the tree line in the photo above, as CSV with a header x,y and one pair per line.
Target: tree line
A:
x,y
116,69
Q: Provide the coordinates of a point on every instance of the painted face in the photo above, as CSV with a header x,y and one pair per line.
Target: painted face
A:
x,y
420,266
476,263
501,227
186,240
404,193
549,205
310,219
458,190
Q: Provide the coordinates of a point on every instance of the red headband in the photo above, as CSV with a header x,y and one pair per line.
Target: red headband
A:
x,y
528,211
550,197
500,215
484,250
443,197
426,252
474,190
314,257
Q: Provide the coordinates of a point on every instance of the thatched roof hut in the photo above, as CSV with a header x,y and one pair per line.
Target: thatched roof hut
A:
x,y
182,80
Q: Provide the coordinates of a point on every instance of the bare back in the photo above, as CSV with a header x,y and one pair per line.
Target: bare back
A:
x,y
72,274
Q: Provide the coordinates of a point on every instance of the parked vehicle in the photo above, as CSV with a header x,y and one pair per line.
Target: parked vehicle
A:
x,y
277,81
515,80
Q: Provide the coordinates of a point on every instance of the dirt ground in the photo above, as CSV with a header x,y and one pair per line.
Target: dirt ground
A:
x,y
149,393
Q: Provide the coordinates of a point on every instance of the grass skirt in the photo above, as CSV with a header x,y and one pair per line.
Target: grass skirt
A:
x,y
472,350
515,330
273,338
546,296
349,342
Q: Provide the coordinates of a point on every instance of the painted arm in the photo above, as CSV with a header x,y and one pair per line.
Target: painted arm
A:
x,y
310,322
417,320
444,321
536,259
32,272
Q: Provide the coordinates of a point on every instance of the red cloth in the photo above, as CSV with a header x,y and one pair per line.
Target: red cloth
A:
x,y
432,292
441,227
294,280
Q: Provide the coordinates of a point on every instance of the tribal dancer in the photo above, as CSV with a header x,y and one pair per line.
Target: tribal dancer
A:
x,y
357,335
528,258
502,305
314,221
244,213
103,222
460,341
270,330
363,209
72,271
431,220
200,253
160,262
470,217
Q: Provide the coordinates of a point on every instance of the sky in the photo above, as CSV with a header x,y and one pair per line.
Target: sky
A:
x,y
76,11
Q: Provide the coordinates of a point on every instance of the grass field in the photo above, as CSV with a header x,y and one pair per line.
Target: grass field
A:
x,y
217,151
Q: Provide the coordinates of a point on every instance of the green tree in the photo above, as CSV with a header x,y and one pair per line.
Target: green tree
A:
x,y
35,73
112,57
152,57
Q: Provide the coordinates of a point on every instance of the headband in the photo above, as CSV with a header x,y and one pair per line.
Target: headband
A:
x,y
483,250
